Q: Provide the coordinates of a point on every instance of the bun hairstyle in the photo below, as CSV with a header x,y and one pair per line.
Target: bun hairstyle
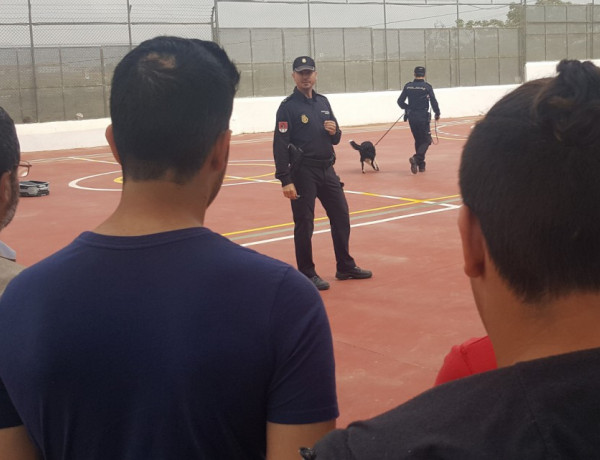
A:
x,y
530,173
569,106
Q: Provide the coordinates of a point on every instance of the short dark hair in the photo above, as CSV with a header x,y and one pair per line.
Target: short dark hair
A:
x,y
10,150
170,100
530,173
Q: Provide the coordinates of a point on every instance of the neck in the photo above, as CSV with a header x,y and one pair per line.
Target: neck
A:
x,y
148,207
308,92
523,332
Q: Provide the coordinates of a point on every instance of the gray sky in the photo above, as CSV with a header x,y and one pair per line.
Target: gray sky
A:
x,y
184,17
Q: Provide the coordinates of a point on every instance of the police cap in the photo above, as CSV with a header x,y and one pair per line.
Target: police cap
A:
x,y
303,63
419,71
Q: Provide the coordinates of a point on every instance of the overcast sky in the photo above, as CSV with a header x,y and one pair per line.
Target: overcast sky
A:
x,y
185,17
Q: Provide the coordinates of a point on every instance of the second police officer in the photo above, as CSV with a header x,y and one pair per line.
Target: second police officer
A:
x,y
420,95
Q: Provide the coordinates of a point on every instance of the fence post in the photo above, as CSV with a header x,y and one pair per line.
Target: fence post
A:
x,y
62,84
252,64
129,24
457,44
311,43
215,24
33,69
103,73
522,40
591,10
385,49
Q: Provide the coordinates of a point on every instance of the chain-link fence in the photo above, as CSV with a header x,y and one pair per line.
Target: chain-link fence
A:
x,y
57,56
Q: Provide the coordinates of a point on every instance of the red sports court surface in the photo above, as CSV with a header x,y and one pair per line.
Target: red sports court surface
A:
x,y
390,332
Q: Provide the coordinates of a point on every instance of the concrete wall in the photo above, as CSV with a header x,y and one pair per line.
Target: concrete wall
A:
x,y
535,70
256,115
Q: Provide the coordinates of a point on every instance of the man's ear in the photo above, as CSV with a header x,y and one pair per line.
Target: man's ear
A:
x,y
473,243
6,190
220,151
111,142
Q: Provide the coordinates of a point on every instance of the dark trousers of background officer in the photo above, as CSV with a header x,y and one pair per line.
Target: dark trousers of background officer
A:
x,y
419,126
320,182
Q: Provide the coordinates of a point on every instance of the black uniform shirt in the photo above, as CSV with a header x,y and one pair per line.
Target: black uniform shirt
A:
x,y
300,122
419,94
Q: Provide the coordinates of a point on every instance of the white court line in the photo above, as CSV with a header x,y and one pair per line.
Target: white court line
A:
x,y
74,183
447,205
94,161
362,224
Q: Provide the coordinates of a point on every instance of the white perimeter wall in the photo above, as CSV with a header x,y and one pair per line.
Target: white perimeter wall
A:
x,y
257,115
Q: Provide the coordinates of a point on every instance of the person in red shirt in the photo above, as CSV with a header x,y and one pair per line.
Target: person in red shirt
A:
x,y
471,357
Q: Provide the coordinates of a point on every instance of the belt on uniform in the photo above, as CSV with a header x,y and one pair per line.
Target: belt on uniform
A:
x,y
313,162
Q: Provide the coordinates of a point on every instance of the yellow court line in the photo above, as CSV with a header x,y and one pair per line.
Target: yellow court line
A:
x,y
229,177
288,224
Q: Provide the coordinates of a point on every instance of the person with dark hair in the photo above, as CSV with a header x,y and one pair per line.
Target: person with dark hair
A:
x,y
529,228
10,157
420,95
305,132
153,337
14,436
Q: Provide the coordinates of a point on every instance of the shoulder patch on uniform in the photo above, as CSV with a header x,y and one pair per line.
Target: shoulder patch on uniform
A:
x,y
282,126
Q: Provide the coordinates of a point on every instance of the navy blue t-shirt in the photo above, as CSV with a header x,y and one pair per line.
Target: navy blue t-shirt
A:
x,y
167,346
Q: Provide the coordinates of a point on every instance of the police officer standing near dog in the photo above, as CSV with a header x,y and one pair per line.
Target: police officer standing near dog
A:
x,y
419,94
305,132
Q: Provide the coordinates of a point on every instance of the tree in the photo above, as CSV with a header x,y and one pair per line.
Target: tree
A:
x,y
514,17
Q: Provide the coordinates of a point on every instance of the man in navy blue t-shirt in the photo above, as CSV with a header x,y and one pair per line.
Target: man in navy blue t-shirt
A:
x,y
153,337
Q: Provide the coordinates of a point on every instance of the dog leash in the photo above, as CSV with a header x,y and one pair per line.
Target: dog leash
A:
x,y
389,129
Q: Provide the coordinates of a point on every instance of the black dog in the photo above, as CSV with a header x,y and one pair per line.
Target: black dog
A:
x,y
367,154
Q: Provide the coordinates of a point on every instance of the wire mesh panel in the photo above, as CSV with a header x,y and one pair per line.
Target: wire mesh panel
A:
x,y
57,56
329,56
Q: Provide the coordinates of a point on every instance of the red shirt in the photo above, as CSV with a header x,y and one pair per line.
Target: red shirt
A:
x,y
471,357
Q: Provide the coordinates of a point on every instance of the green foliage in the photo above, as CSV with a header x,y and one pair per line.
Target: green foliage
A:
x,y
514,17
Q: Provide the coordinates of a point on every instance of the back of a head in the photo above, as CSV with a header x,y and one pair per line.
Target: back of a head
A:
x,y
10,152
170,99
530,173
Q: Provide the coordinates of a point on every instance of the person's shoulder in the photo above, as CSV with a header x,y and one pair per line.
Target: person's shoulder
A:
x,y
286,100
441,419
247,258
318,96
8,270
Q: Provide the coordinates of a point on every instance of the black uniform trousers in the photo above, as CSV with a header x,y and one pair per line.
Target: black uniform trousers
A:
x,y
320,182
419,126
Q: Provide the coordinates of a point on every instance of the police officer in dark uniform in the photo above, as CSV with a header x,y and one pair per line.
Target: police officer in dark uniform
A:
x,y
305,132
420,95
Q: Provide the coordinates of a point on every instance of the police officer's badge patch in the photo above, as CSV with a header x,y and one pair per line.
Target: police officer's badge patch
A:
x,y
304,119
283,127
